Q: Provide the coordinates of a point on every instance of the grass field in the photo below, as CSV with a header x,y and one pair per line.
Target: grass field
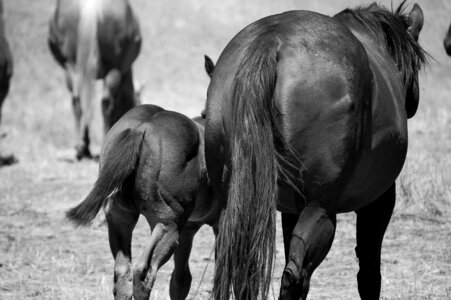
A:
x,y
43,257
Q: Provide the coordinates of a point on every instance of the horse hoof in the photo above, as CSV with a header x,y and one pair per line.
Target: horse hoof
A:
x,y
7,160
83,153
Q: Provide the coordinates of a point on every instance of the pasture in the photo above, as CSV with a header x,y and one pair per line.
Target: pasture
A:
x,y
42,256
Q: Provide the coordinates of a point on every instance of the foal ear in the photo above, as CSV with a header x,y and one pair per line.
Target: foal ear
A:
x,y
209,65
416,20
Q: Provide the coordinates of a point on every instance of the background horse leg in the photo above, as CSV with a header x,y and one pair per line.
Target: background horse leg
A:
x,y
81,134
121,218
372,221
311,240
181,276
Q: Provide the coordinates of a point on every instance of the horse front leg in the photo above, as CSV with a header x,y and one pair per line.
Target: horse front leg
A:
x,y
372,221
311,240
81,134
181,276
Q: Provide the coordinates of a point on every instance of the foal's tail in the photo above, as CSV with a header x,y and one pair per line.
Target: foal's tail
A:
x,y
117,166
245,245
87,62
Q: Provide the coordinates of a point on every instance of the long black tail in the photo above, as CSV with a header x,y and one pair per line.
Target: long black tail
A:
x,y
245,245
117,166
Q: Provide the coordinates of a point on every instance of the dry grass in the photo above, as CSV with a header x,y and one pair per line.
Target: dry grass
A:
x,y
44,257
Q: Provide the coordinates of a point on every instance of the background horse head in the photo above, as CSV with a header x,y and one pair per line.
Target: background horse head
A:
x,y
308,114
93,40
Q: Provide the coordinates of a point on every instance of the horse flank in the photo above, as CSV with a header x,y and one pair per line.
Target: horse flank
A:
x,y
117,166
87,57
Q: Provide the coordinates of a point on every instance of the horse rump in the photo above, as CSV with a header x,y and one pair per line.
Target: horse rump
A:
x,y
116,166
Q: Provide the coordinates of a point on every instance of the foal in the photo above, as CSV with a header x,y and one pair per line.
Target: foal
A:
x,y
152,163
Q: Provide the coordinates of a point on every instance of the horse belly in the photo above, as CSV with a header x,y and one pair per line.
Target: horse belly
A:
x,y
378,167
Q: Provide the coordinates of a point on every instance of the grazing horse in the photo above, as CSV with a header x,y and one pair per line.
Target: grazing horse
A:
x,y
308,114
96,40
6,71
447,41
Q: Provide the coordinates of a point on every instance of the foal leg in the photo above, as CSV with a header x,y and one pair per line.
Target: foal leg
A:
x,y
121,219
160,248
166,216
372,221
311,240
181,276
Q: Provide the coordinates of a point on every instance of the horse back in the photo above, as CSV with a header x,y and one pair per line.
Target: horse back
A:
x,y
171,155
340,108
118,33
119,36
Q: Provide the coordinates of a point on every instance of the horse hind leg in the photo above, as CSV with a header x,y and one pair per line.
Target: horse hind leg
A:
x,y
121,218
310,242
372,221
181,276
162,244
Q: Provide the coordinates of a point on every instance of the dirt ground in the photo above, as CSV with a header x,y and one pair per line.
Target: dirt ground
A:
x,y
42,256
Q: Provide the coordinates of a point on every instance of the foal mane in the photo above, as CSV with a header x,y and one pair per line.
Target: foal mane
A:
x,y
390,27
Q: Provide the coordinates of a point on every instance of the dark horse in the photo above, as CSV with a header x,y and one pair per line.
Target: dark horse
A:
x,y
6,71
308,114
447,41
152,163
93,40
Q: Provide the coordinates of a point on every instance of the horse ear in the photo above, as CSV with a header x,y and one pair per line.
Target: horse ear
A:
x,y
416,20
209,65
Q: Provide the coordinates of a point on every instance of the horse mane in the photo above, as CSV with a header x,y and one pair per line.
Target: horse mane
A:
x,y
390,27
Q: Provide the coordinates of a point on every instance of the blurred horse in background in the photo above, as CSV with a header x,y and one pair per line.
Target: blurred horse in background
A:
x,y
96,40
6,71
152,163
447,41
308,114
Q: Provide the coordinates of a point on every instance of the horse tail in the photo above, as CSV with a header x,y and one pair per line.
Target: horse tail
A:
x,y
117,166
245,245
87,62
